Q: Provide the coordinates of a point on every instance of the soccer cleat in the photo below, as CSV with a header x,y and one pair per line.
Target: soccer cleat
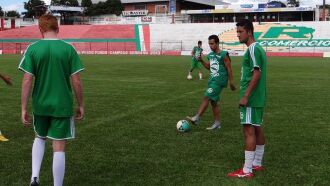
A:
x,y
189,77
214,126
191,120
2,138
34,182
240,174
257,168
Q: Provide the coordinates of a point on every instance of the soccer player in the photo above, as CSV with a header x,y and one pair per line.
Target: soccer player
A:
x,y
7,80
220,73
52,63
195,54
252,100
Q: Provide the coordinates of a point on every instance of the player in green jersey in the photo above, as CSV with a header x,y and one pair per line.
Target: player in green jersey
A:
x,y
195,64
54,65
252,100
7,80
220,73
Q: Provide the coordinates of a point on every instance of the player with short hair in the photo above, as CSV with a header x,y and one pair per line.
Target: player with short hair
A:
x,y
7,80
195,64
52,63
220,73
252,100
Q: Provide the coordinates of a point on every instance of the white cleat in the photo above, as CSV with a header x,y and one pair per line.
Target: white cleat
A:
x,y
192,121
189,77
214,126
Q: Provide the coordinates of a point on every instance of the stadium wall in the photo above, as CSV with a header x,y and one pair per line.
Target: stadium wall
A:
x,y
278,39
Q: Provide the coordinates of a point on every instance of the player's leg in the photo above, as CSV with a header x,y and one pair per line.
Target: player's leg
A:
x,y
260,140
213,92
260,148
200,74
193,66
195,119
61,129
250,144
216,115
41,125
199,66
58,161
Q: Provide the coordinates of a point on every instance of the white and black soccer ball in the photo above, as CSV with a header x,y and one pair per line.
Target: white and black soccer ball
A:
x,y
183,126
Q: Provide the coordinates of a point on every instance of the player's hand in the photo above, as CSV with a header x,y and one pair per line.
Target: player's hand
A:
x,y
199,58
243,102
7,80
25,118
232,86
80,113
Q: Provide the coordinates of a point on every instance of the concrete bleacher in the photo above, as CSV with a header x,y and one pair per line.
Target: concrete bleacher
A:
x,y
174,38
83,37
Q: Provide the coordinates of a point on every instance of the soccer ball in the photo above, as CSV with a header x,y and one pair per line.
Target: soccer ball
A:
x,y
189,77
183,126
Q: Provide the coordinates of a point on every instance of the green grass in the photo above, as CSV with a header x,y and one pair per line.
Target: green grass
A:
x,y
129,135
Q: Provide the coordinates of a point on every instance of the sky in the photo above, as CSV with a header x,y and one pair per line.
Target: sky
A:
x,y
18,5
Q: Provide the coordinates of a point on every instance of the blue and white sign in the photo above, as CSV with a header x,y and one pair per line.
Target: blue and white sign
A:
x,y
172,6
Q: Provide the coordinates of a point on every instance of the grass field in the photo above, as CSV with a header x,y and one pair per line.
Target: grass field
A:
x,y
129,135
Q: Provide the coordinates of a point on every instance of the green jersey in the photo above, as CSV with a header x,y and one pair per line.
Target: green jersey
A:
x,y
254,57
197,51
218,71
51,62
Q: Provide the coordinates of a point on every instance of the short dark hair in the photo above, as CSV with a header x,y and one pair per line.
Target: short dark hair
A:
x,y
246,24
199,42
215,37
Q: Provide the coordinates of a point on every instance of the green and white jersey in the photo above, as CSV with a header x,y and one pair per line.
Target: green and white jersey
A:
x,y
51,62
254,57
218,71
197,52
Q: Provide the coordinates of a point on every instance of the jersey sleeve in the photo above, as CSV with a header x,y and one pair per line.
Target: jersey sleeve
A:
x,y
227,55
256,57
27,63
76,65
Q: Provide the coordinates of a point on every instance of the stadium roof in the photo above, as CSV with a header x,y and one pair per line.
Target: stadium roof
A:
x,y
205,2
140,1
209,2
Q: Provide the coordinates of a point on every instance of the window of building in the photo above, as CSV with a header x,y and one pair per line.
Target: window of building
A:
x,y
140,6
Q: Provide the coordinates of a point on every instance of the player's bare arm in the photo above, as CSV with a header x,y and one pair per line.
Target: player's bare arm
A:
x,y
205,64
78,90
193,53
230,73
253,83
6,79
26,87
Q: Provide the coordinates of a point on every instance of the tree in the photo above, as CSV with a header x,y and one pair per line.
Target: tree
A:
x,y
115,6
72,3
55,2
34,8
86,3
107,7
64,3
13,13
293,3
1,12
